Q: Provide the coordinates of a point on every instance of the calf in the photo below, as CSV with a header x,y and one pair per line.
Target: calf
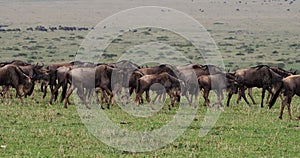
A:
x,y
290,86
170,83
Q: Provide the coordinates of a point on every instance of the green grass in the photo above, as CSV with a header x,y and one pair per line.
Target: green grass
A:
x,y
36,129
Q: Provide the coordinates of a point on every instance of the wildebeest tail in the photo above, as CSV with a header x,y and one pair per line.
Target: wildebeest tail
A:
x,y
138,87
64,91
274,98
67,80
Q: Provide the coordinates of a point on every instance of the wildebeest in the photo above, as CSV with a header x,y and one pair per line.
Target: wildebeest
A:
x,y
290,86
260,76
61,74
90,78
80,78
33,71
129,76
163,68
190,73
170,83
217,82
281,72
52,69
12,75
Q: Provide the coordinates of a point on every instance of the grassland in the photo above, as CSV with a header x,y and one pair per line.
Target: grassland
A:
x,y
36,129
239,48
247,33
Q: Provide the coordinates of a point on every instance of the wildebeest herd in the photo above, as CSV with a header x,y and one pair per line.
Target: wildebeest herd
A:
x,y
122,79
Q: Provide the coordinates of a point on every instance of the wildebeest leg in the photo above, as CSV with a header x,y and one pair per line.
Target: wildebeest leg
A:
x,y
229,97
164,95
242,91
111,96
289,105
239,96
191,99
262,97
195,99
174,98
111,99
54,93
64,90
69,92
154,100
117,90
52,87
205,96
268,98
220,97
80,92
6,93
127,95
103,96
97,91
178,97
45,91
19,93
138,97
131,90
187,98
281,97
161,95
250,95
148,96
284,102
171,103
42,87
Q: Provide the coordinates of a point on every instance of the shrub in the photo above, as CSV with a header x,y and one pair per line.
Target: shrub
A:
x,y
240,54
162,38
20,54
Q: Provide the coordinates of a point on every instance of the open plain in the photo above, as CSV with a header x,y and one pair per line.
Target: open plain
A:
x,y
247,33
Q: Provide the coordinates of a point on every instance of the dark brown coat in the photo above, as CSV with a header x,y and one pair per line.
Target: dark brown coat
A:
x,y
12,75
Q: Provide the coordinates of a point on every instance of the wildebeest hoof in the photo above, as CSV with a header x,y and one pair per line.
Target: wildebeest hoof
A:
x,y
280,117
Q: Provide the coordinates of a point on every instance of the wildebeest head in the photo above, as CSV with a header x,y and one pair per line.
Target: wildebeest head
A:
x,y
232,85
24,80
39,73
